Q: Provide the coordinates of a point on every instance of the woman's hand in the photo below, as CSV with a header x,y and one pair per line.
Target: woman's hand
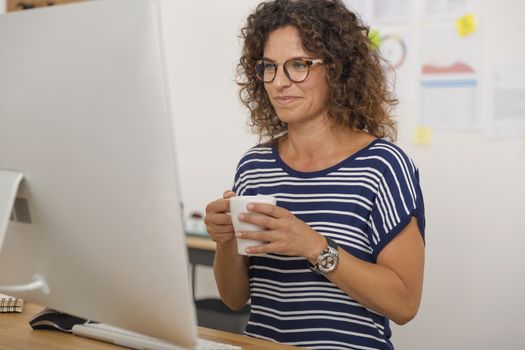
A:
x,y
218,219
286,234
230,268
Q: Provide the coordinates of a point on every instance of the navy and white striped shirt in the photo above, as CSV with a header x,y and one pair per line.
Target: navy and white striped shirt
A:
x,y
362,203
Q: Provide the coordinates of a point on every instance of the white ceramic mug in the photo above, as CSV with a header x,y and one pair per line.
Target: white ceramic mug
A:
x,y
238,206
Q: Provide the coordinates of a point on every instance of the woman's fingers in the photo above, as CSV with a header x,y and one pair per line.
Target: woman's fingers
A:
x,y
260,220
220,229
274,243
267,209
218,219
228,194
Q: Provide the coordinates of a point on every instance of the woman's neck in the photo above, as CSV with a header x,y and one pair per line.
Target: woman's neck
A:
x,y
317,147
310,141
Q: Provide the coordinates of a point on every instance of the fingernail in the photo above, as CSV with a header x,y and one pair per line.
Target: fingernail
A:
x,y
238,234
241,217
250,206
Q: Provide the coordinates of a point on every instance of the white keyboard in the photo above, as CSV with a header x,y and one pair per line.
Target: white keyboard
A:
x,y
205,344
133,340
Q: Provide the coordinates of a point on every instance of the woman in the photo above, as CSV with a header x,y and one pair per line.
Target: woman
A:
x,y
345,249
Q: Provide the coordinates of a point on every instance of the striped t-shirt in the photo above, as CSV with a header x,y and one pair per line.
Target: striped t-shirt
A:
x,y
362,203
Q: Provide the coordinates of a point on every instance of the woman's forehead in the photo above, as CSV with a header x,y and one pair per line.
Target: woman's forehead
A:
x,y
284,43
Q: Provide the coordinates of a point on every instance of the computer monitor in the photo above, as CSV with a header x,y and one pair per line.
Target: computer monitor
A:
x,y
85,117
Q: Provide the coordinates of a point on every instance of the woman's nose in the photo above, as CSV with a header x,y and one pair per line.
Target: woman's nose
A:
x,y
281,79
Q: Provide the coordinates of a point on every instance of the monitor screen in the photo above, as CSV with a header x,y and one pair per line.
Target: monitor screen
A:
x,y
85,117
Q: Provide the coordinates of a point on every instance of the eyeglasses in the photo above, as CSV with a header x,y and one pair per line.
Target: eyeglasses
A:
x,y
296,69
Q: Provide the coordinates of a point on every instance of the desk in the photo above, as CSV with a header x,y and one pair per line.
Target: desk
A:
x,y
16,334
211,312
201,250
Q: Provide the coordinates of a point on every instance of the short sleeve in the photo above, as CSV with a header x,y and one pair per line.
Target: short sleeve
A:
x,y
399,198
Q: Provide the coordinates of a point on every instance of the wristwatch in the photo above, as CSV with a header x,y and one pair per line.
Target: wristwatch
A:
x,y
328,260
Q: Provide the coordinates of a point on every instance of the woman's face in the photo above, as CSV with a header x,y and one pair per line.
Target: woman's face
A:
x,y
295,103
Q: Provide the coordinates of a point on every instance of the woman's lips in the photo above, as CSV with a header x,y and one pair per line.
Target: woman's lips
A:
x,y
285,100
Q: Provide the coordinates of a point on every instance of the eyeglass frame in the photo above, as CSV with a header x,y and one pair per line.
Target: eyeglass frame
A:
x,y
309,61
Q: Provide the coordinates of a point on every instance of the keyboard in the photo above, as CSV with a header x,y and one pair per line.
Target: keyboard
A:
x,y
205,344
133,340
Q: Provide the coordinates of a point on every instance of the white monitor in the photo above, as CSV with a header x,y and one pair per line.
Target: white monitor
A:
x,y
85,117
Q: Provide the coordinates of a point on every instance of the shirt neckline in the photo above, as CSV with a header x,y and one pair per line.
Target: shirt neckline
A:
x,y
309,174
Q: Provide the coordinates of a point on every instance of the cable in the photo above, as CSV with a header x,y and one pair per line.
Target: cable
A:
x,y
38,283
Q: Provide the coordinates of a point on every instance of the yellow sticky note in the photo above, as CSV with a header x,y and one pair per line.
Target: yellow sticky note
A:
x,y
422,135
375,37
466,25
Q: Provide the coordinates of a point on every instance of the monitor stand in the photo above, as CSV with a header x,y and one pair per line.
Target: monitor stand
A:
x,y
9,183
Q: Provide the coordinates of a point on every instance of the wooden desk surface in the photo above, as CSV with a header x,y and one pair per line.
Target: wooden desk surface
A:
x,y
16,334
202,243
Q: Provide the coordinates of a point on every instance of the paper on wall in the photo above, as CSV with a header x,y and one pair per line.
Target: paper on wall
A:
x,y
450,71
507,100
373,11
447,9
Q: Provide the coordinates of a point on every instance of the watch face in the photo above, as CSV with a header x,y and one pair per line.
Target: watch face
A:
x,y
328,261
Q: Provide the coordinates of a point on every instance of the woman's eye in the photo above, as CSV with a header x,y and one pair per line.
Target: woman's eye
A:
x,y
269,67
299,65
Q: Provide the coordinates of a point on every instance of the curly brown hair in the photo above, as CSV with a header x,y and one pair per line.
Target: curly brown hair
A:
x,y
359,95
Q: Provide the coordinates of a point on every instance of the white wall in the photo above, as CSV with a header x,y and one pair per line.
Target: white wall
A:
x,y
474,191
474,187
203,50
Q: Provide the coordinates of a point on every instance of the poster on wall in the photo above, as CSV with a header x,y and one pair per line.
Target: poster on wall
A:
x,y
507,100
447,9
382,11
395,46
449,79
393,11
